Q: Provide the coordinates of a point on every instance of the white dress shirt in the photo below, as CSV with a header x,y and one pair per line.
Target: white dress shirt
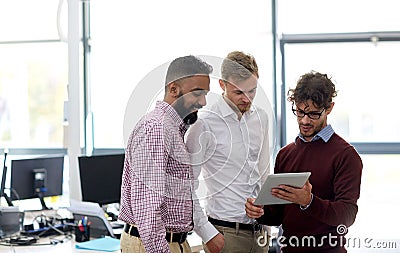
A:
x,y
232,158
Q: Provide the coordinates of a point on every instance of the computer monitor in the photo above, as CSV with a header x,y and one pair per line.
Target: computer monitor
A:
x,y
101,177
37,178
3,182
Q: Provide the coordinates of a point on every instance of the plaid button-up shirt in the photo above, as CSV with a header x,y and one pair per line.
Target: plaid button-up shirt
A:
x,y
157,180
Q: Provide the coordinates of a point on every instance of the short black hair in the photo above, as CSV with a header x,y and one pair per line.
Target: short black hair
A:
x,y
186,66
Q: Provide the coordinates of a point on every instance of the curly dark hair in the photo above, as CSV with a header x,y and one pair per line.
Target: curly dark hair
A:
x,y
313,86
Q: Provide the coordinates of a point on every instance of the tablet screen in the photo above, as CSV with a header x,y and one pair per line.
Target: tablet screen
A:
x,y
273,180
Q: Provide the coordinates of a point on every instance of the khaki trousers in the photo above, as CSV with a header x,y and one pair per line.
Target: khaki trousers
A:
x,y
240,241
133,244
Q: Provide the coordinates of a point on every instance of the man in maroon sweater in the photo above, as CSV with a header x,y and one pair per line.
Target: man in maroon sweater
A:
x,y
326,205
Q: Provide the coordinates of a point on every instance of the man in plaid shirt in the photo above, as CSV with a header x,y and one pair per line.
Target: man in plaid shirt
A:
x,y
156,197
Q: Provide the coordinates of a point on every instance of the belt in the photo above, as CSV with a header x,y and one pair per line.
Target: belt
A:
x,y
170,236
252,227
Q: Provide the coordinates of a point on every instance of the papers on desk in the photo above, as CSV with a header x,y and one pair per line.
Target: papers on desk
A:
x,y
108,244
91,208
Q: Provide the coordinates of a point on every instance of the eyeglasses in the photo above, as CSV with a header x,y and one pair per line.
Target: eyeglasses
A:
x,y
311,115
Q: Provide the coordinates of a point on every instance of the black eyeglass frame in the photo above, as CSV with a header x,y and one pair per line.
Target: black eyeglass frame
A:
x,y
311,115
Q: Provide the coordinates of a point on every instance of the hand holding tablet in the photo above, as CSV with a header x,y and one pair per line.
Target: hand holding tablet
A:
x,y
274,180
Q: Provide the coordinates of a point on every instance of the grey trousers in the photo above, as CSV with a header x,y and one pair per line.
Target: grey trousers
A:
x,y
133,244
240,241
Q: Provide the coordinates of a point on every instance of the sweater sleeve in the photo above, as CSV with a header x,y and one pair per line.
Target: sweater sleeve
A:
x,y
346,186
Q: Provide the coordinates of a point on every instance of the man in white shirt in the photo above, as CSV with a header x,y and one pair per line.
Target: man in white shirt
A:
x,y
230,148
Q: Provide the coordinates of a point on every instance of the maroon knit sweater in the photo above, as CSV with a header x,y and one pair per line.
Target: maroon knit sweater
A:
x,y
335,168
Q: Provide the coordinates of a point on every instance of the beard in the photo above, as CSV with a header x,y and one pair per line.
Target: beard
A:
x,y
244,109
316,129
187,114
191,118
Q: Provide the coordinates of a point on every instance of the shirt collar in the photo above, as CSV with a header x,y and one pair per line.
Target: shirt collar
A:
x,y
170,111
227,110
325,134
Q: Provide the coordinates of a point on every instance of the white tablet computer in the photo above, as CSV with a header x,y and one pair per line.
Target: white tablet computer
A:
x,y
273,180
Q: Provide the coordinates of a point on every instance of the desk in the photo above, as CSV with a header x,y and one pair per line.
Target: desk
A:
x,y
68,246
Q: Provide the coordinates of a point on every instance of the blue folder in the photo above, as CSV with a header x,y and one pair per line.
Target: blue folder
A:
x,y
108,244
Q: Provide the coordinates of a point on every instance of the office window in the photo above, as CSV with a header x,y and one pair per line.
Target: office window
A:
x,y
378,204
138,37
337,16
27,20
33,74
365,75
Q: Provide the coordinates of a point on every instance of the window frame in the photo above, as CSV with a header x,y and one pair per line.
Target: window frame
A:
x,y
361,147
